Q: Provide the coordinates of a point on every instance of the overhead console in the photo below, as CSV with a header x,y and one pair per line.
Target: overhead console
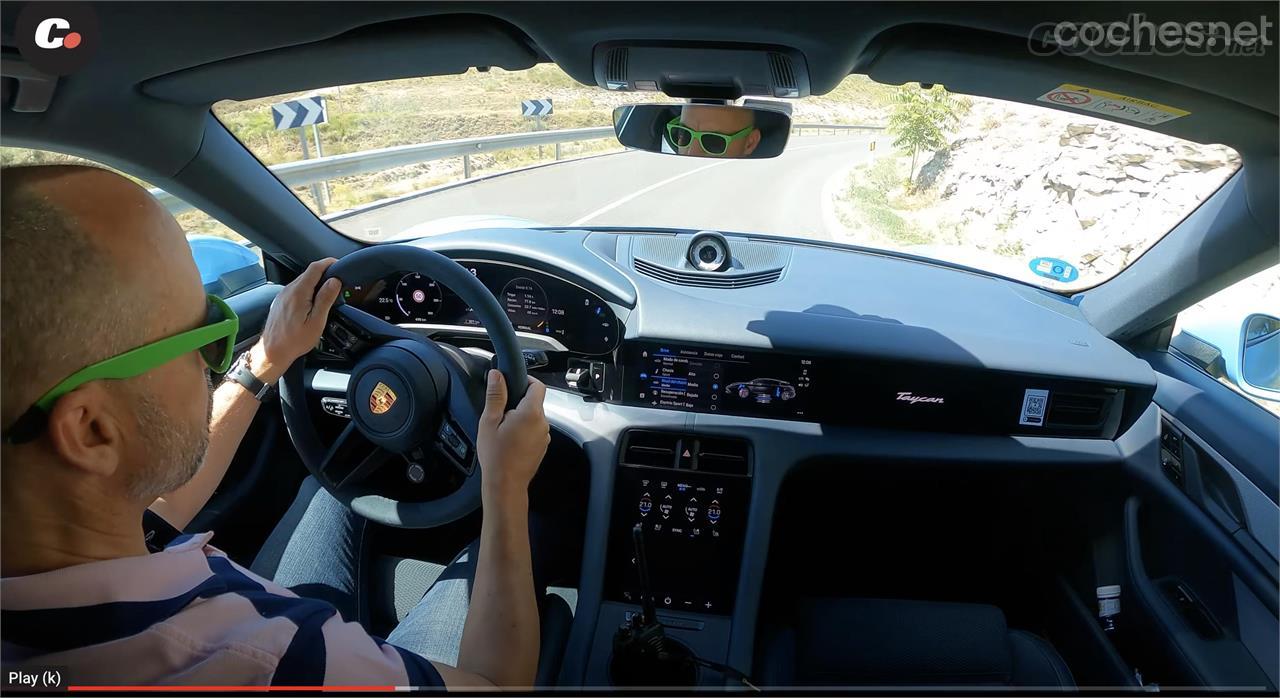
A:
x,y
881,392
697,71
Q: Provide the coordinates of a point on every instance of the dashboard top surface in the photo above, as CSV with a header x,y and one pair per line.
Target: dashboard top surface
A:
x,y
826,302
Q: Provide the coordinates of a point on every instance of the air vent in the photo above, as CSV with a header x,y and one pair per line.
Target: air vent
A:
x,y
784,77
1077,410
706,279
652,448
726,456
615,66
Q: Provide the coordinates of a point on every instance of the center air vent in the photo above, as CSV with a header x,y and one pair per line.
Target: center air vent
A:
x,y
1077,410
706,279
663,449
652,448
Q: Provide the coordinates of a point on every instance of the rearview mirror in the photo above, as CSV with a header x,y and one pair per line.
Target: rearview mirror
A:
x,y
703,130
1260,356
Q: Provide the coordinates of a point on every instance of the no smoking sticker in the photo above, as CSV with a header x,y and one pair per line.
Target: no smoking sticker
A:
x,y
1111,104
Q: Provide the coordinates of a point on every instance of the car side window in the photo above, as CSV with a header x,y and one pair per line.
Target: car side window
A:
x,y
228,262
1234,336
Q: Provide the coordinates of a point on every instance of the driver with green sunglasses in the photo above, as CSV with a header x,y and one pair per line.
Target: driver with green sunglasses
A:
x,y
115,436
127,338
713,131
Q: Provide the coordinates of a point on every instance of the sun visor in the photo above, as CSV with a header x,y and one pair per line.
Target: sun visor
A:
x,y
25,89
388,51
706,72
1000,66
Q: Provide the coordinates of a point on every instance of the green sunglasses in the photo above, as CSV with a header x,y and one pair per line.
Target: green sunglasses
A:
x,y
712,143
215,340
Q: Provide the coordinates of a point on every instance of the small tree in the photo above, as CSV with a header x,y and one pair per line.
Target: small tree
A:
x,y
921,119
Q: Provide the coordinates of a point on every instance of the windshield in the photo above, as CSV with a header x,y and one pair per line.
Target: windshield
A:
x,y
1053,198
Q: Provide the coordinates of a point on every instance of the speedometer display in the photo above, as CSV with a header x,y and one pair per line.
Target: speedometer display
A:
x,y
418,298
567,315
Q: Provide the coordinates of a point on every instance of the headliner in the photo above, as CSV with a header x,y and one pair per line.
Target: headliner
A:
x,y
148,95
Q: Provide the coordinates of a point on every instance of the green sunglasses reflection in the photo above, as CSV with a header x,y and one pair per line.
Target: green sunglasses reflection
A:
x,y
711,142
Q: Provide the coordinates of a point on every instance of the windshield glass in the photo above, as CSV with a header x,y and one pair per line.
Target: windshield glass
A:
x,y
1053,198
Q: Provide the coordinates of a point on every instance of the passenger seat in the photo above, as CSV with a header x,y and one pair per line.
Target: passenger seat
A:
x,y
881,642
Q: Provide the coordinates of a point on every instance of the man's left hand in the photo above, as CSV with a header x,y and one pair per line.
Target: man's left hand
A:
x,y
295,322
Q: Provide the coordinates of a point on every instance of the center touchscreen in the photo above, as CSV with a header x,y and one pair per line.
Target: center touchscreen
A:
x,y
719,380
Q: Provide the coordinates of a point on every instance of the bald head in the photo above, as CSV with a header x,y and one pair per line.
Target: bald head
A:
x,y
90,266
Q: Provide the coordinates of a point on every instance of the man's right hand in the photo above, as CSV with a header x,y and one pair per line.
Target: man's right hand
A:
x,y
510,445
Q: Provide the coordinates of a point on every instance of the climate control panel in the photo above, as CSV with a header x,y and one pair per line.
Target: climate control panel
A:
x,y
689,495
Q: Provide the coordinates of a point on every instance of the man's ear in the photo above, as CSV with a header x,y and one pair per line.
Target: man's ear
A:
x,y
753,140
85,430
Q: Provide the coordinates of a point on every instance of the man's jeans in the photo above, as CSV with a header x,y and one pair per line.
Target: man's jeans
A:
x,y
319,550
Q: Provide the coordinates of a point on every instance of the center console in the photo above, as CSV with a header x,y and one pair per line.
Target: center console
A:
x,y
679,517
689,496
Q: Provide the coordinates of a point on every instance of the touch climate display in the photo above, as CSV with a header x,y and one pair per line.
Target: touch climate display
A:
x,y
719,380
693,526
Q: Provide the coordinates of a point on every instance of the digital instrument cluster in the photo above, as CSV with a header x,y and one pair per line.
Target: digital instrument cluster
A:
x,y
534,302
719,380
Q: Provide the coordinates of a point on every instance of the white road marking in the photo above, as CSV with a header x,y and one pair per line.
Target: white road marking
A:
x,y
637,194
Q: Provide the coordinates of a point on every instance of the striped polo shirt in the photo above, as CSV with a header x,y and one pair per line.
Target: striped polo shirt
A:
x,y
189,615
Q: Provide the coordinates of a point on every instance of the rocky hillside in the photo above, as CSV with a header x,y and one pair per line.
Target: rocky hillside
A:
x,y
1019,181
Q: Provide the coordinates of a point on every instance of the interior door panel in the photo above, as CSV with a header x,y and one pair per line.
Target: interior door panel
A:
x,y
1201,540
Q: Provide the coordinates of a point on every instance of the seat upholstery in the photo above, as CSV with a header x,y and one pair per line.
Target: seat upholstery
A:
x,y
882,642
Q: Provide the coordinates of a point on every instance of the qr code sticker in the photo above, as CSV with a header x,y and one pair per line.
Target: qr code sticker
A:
x,y
1033,407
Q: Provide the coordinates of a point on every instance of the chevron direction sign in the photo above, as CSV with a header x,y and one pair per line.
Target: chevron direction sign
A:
x,y
299,112
534,108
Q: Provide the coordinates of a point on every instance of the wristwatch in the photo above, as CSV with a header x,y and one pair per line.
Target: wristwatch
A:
x,y
240,373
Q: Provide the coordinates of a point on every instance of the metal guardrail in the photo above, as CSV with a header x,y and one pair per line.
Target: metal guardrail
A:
x,y
303,172
799,129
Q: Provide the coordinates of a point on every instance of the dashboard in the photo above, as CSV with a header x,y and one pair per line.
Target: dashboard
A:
x,y
535,302
787,332
694,394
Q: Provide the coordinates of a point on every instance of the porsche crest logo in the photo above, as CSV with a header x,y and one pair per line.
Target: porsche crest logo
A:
x,y
381,399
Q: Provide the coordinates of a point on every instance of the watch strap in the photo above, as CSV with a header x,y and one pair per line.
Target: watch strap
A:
x,y
241,374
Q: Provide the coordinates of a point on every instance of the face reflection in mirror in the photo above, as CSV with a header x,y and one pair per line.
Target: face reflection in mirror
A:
x,y
726,123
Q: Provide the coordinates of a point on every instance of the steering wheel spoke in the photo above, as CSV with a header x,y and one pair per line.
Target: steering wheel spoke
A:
x,y
456,447
352,331
352,458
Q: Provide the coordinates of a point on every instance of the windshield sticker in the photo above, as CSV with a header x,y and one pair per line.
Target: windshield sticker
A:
x,y
1111,104
1033,407
1056,269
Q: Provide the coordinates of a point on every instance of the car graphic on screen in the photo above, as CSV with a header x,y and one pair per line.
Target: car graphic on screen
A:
x,y
762,390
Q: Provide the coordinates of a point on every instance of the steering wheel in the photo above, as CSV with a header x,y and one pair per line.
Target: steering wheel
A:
x,y
407,395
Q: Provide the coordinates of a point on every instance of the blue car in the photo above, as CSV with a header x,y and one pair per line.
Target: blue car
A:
x,y
226,266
